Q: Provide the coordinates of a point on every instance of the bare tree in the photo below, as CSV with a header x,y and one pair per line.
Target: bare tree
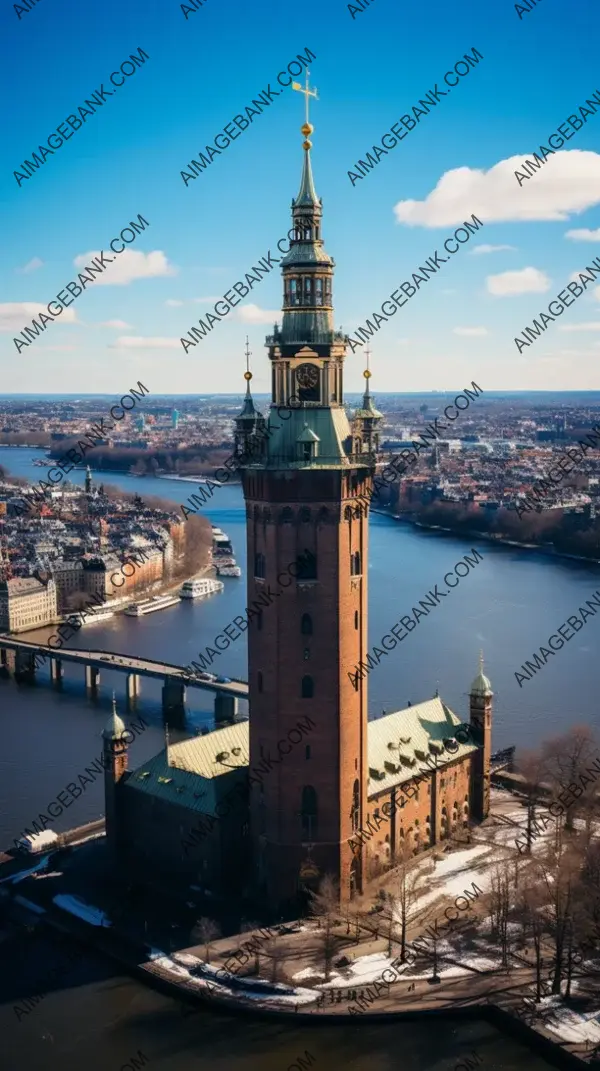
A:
x,y
206,931
324,906
531,766
277,956
532,901
500,907
566,758
248,926
402,898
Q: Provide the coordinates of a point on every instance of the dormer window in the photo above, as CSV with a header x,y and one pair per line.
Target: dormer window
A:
x,y
308,451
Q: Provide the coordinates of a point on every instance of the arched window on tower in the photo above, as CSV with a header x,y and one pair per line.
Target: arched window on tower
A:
x,y
260,566
307,566
309,813
287,515
307,689
357,565
294,296
306,627
318,291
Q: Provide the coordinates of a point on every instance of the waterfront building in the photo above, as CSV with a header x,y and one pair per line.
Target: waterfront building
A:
x,y
307,470
27,603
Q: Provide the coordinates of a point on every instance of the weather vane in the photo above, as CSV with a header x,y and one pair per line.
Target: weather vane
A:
x,y
307,93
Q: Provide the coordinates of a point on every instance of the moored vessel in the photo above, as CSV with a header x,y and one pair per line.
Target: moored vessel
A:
x,y
200,588
149,606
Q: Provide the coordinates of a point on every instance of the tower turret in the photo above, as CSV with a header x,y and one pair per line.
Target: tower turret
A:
x,y
115,767
366,419
250,424
480,711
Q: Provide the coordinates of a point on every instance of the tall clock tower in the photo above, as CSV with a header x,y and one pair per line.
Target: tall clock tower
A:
x,y
303,467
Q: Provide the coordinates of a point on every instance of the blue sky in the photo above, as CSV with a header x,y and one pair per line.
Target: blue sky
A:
x,y
202,238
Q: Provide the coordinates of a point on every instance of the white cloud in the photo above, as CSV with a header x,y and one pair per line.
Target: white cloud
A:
x,y
32,265
253,314
120,325
128,266
568,182
133,342
173,303
207,300
15,315
470,332
584,235
592,325
526,281
492,249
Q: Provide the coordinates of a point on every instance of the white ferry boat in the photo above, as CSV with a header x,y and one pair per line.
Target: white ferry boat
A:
x,y
90,618
200,588
221,543
149,606
231,569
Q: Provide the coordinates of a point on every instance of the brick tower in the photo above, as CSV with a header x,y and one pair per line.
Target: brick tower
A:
x,y
303,468
480,710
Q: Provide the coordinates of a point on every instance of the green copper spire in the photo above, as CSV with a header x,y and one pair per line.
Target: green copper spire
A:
x,y
307,194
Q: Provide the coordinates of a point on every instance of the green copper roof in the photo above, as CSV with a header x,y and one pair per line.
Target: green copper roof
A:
x,y
328,426
307,194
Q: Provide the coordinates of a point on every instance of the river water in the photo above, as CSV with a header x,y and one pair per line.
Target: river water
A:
x,y
508,606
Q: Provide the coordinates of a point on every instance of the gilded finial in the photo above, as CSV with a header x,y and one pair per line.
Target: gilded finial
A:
x,y
367,372
247,373
481,661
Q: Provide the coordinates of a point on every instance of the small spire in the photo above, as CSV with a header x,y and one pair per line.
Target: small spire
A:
x,y
481,661
167,743
248,409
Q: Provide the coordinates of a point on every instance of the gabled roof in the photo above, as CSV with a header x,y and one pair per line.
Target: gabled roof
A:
x,y
400,742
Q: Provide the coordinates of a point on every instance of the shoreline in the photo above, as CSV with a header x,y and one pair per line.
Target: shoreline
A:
x,y
497,539
111,945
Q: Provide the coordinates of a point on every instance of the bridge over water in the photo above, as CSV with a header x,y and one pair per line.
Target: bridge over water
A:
x,y
26,655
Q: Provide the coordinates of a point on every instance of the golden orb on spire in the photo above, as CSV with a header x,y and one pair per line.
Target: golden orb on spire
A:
x,y
307,144
247,376
367,374
307,129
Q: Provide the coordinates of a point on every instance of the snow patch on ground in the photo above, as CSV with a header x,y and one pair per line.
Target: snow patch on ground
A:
x,y
570,1025
450,875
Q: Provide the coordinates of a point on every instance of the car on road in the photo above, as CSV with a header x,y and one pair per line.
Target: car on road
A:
x,y
223,680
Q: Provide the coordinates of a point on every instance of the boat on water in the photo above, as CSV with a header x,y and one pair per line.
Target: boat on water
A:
x,y
191,479
221,544
150,606
200,588
90,618
231,569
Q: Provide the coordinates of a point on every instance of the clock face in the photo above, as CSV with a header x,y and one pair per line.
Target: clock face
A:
x,y
307,376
